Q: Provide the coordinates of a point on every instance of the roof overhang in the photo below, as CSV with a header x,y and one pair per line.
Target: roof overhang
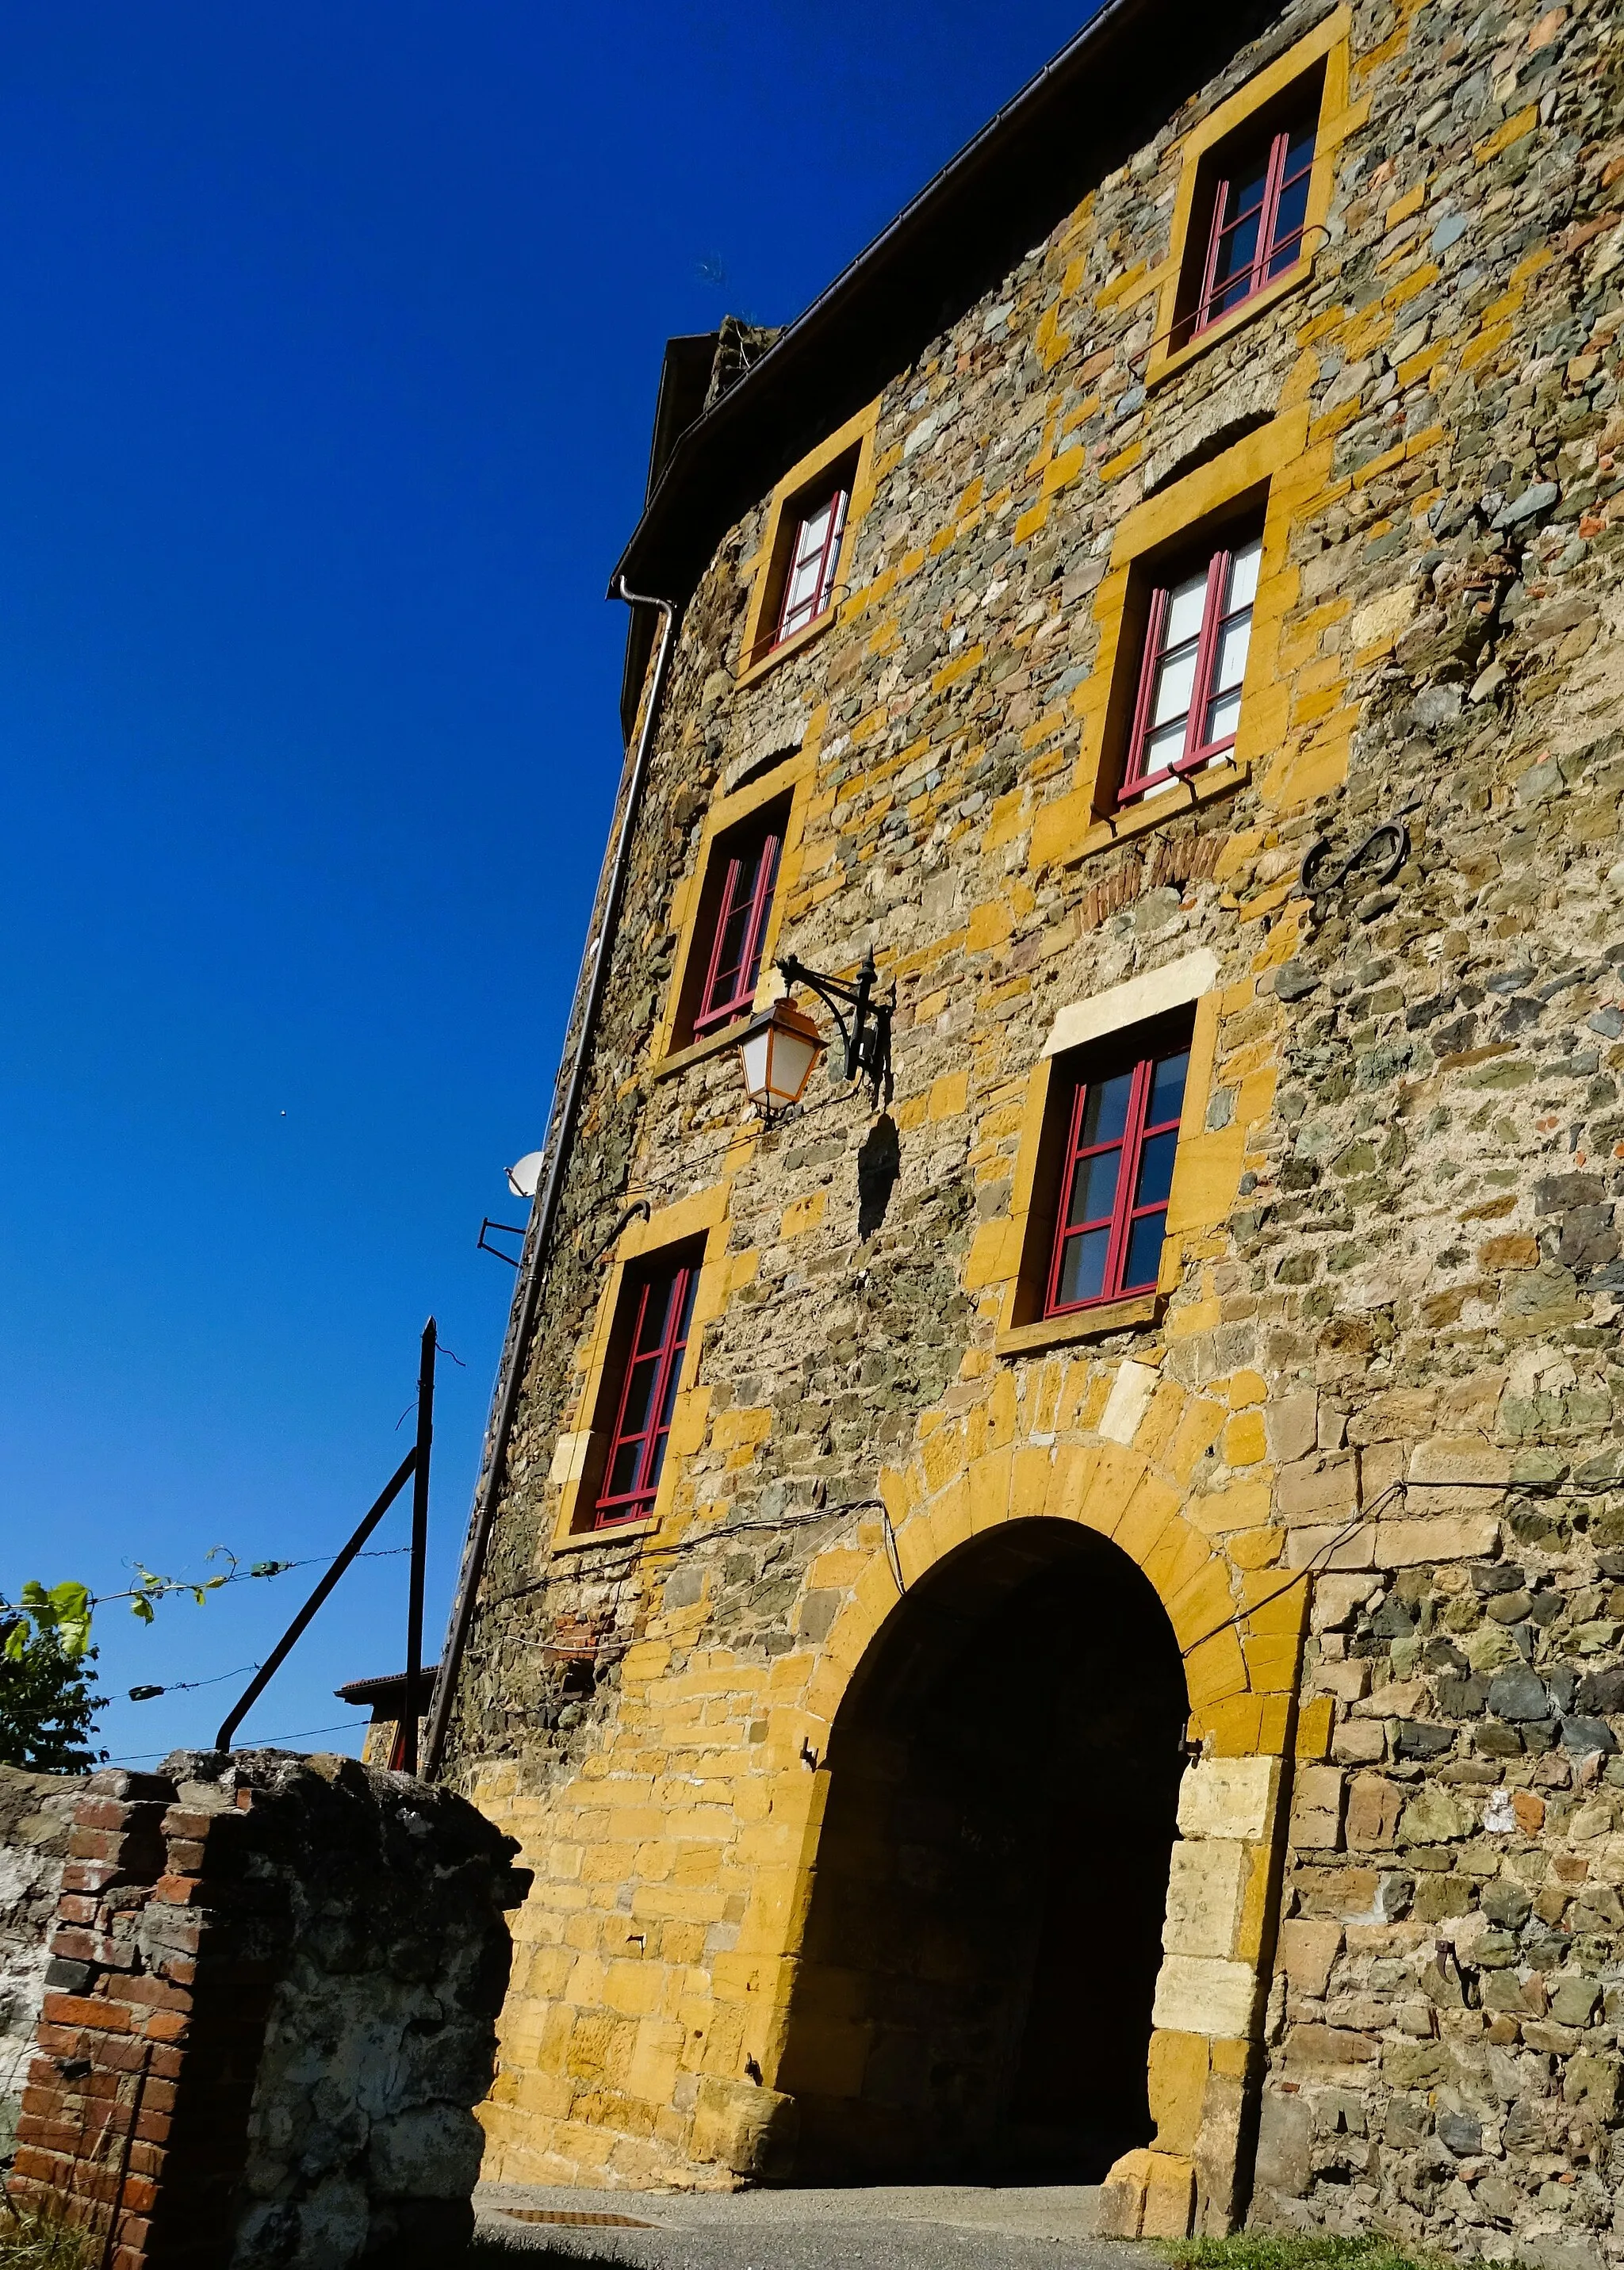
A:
x,y
1106,92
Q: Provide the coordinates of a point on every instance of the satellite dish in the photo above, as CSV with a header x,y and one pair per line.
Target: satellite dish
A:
x,y
524,1179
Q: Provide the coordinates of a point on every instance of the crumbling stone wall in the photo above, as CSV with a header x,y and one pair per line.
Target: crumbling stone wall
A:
x,y
35,1816
1383,1377
269,2012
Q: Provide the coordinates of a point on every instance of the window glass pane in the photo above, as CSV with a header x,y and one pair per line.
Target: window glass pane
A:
x,y
668,1401
1144,1254
1105,1113
1167,1089
1094,1188
639,1389
1243,575
1156,1169
727,985
690,1284
623,1472
1223,718
1186,604
1300,151
1288,219
653,1327
1229,661
1164,748
803,588
1236,253
1082,1268
1176,682
814,528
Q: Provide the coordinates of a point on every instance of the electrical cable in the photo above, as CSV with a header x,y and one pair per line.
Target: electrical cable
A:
x,y
265,1742
1369,1513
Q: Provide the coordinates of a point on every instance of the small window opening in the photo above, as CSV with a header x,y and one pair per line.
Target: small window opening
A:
x,y
723,965
1123,1109
810,585
749,879
1198,636
1250,222
806,554
657,1307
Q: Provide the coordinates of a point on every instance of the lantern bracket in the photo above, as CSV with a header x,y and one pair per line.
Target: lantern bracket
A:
x,y
862,1016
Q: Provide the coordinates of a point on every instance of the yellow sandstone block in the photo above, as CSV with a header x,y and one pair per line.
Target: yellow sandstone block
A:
x,y
989,926
1029,1488
949,1094
989,1490
1245,1442
1177,2080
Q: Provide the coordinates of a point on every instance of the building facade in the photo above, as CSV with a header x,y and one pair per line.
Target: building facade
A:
x,y
1061,1616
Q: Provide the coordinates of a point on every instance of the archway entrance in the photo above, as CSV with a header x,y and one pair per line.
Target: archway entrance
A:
x,y
973,1996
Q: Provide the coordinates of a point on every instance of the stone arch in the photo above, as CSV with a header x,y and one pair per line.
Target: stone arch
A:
x,y
1110,1489
983,1937
1238,1622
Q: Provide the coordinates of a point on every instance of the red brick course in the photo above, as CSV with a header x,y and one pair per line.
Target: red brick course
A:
x,y
104,2095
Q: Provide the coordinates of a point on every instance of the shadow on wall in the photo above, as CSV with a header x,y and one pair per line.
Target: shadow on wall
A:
x,y
985,1929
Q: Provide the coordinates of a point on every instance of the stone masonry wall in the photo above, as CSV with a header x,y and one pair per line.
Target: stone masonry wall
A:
x,y
270,2009
1381,1383
36,1812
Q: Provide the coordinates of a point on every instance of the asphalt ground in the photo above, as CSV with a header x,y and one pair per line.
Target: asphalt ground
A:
x,y
934,2227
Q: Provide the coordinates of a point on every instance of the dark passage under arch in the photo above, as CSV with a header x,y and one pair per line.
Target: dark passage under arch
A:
x,y
973,1996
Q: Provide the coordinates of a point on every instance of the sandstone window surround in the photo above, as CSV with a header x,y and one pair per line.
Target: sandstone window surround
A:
x,y
690,1236
706,1002
1303,95
1138,1019
1217,507
798,577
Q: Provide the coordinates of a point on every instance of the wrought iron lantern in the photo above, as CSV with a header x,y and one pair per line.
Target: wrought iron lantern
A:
x,y
778,1050
774,1046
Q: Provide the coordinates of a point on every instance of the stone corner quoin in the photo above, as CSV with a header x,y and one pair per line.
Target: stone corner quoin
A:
x,y
1172,1743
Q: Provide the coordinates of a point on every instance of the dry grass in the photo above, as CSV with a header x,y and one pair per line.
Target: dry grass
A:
x,y
42,2238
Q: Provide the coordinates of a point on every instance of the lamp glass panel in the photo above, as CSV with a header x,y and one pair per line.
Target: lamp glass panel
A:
x,y
792,1056
753,1049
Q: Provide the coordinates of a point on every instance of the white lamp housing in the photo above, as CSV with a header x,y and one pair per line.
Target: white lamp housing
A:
x,y
778,1050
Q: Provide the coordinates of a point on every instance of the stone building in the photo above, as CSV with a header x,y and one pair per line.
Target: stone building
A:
x,y
1061,1617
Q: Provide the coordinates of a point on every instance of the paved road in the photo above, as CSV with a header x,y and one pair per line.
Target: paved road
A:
x,y
937,2226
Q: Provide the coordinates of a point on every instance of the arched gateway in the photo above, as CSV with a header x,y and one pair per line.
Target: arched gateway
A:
x,y
974,1990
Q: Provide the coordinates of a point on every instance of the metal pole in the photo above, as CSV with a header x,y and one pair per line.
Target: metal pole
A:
x,y
419,1553
279,1653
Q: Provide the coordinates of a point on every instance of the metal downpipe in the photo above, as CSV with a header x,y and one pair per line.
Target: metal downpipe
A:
x,y
527,1299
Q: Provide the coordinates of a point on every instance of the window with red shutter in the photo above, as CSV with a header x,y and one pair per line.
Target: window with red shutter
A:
x,y
1196,643
1115,1175
661,1307
1259,207
750,875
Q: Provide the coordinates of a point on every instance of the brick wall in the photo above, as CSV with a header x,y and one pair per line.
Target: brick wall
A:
x,y
268,2011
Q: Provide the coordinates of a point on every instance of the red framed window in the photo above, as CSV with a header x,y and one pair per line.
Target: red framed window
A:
x,y
1196,644
810,584
1116,1176
748,882
662,1307
1259,215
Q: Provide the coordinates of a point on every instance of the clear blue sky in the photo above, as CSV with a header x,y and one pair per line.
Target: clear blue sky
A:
x,y
332,335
